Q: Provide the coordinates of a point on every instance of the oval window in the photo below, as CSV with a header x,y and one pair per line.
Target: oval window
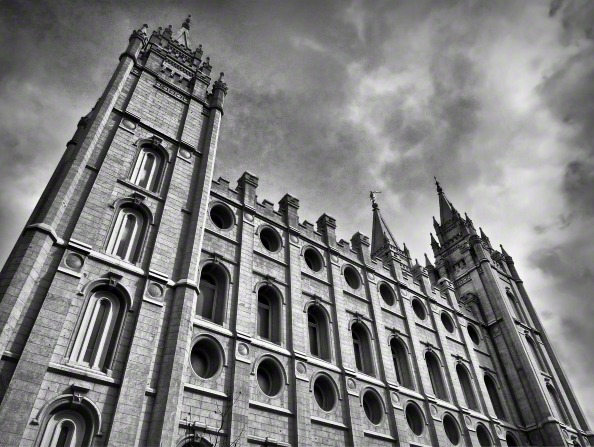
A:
x,y
222,216
324,393
447,322
270,377
414,418
270,239
372,407
474,335
313,259
206,358
419,309
387,294
352,277
451,429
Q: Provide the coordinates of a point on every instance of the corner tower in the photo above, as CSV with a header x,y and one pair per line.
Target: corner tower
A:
x,y
491,293
103,278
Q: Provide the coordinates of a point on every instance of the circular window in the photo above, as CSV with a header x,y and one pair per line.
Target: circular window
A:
x,y
222,216
483,436
511,440
447,322
451,429
324,393
313,259
270,239
206,358
419,309
352,277
372,407
474,335
414,417
270,377
387,294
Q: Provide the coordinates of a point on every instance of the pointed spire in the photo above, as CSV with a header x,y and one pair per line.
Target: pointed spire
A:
x,y
484,237
381,236
182,36
434,243
417,263
446,210
428,263
503,252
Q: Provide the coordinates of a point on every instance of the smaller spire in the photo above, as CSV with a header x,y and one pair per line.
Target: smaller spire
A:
x,y
439,190
446,209
182,36
503,252
427,261
417,263
483,235
434,243
381,236
186,24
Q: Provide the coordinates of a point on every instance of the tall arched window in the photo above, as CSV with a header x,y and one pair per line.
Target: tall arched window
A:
x,y
514,306
434,368
213,293
467,389
66,428
148,168
362,348
97,335
401,364
555,404
269,314
534,353
127,234
494,396
319,339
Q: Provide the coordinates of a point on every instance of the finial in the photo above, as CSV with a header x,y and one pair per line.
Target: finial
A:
x,y
221,76
439,190
186,24
372,198
144,29
433,241
427,261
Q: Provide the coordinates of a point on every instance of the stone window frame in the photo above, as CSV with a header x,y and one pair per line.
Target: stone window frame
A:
x,y
219,203
394,295
486,431
154,145
555,404
440,371
497,390
276,314
383,409
399,341
420,412
369,367
328,329
220,351
335,389
322,260
277,235
223,292
281,368
140,209
347,266
467,386
456,424
108,347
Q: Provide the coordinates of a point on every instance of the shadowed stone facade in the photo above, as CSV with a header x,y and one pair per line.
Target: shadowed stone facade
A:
x,y
146,304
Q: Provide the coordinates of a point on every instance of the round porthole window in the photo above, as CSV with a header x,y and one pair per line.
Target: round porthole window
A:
x,y
474,335
483,436
387,294
372,407
414,418
206,358
222,216
451,429
419,309
324,393
313,259
270,239
351,277
270,377
447,322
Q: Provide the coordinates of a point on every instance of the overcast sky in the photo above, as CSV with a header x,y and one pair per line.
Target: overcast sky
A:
x,y
328,100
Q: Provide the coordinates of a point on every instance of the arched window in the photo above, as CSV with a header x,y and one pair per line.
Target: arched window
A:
x,y
66,428
484,438
127,234
511,440
401,364
434,368
535,354
319,339
494,396
466,384
362,348
555,404
269,314
213,293
514,306
97,335
148,168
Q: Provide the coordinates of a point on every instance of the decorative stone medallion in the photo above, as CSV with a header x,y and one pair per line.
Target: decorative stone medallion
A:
x,y
351,384
294,238
154,290
395,398
301,368
468,421
433,410
370,275
334,258
128,124
249,217
185,153
243,349
74,261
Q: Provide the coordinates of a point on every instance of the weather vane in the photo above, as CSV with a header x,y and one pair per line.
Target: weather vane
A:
x,y
372,196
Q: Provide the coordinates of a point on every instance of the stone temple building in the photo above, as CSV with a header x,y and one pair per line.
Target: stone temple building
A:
x,y
147,304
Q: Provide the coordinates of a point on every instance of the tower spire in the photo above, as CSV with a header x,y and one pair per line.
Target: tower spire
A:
x,y
381,236
446,210
182,36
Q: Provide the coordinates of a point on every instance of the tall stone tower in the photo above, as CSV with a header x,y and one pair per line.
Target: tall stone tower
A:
x,y
146,304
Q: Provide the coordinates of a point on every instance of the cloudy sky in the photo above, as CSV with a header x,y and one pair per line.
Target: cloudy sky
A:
x,y
329,100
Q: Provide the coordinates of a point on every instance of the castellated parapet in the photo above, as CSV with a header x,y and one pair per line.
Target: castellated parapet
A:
x,y
147,304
